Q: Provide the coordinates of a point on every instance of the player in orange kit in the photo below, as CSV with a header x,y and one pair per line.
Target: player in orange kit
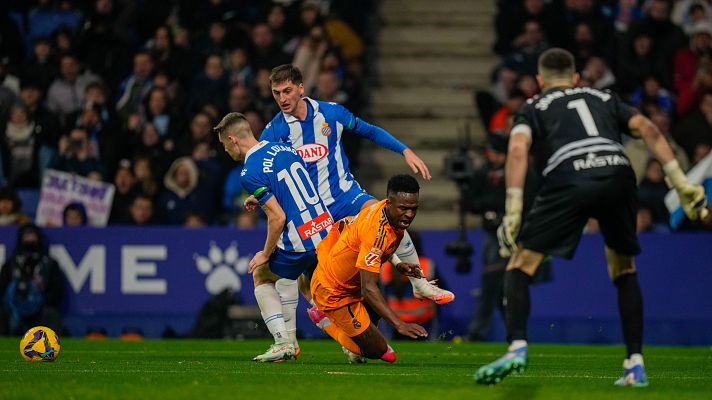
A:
x,y
345,283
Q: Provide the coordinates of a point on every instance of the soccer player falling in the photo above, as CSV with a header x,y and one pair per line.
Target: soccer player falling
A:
x,y
315,129
345,282
586,174
297,221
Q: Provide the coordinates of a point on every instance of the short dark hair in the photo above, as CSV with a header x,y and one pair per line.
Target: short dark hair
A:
x,y
227,121
402,184
286,73
556,63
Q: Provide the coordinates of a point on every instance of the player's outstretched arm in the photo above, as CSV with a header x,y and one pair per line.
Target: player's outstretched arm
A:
x,y
384,139
515,171
275,225
692,197
372,294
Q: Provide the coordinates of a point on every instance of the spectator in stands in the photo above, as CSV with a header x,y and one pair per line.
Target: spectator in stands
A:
x,y
696,127
175,60
240,99
126,190
239,70
105,51
210,85
277,21
7,79
650,93
308,56
687,13
183,192
174,89
75,154
666,36
45,120
693,68
498,122
194,220
350,44
199,131
527,84
74,214
151,145
328,88
141,210
637,62
511,17
46,18
598,73
265,54
11,208
145,173
585,44
652,191
263,97
214,42
157,110
66,93
31,285
41,67
135,87
20,149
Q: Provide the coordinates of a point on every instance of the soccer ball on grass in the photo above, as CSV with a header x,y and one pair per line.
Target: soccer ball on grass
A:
x,y
40,344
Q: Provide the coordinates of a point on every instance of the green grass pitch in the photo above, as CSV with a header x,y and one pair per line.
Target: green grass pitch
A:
x,y
187,369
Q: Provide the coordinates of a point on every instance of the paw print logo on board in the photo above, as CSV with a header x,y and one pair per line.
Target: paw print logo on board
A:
x,y
222,268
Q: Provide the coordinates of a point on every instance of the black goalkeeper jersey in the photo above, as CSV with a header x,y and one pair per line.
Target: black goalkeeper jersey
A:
x,y
576,132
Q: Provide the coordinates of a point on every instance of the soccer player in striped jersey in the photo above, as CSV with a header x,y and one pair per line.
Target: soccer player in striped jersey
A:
x,y
315,129
298,219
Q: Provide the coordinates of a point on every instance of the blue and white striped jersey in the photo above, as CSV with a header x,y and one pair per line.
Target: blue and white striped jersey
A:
x,y
275,169
318,141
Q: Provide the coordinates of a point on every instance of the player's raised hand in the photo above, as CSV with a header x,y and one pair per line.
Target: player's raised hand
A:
x,y
410,269
414,331
259,259
416,164
693,201
251,204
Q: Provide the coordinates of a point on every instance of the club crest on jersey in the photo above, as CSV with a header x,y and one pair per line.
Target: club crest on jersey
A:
x,y
373,256
325,129
312,152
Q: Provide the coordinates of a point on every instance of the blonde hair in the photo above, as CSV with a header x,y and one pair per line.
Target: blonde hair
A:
x,y
231,119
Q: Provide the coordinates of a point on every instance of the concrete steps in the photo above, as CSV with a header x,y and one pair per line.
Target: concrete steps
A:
x,y
465,72
431,55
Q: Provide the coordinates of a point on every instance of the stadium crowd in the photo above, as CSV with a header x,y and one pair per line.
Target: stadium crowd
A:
x,y
657,54
127,92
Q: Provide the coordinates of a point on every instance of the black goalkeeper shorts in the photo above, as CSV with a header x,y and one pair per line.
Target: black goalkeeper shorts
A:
x,y
561,209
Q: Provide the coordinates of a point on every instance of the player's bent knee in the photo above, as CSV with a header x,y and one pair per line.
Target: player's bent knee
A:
x,y
526,260
619,264
262,275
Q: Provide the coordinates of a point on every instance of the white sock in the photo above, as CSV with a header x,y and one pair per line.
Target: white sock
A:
x,y
406,253
271,308
517,344
636,359
289,294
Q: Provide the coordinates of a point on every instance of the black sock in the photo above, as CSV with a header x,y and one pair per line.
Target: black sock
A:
x,y
516,299
630,306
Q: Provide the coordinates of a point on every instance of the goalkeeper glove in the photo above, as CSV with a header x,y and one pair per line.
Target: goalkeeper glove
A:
x,y
692,197
509,229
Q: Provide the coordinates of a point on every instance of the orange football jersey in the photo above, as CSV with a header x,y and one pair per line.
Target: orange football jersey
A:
x,y
364,241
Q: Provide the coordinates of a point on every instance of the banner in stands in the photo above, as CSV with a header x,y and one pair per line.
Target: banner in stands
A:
x,y
153,278
61,188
